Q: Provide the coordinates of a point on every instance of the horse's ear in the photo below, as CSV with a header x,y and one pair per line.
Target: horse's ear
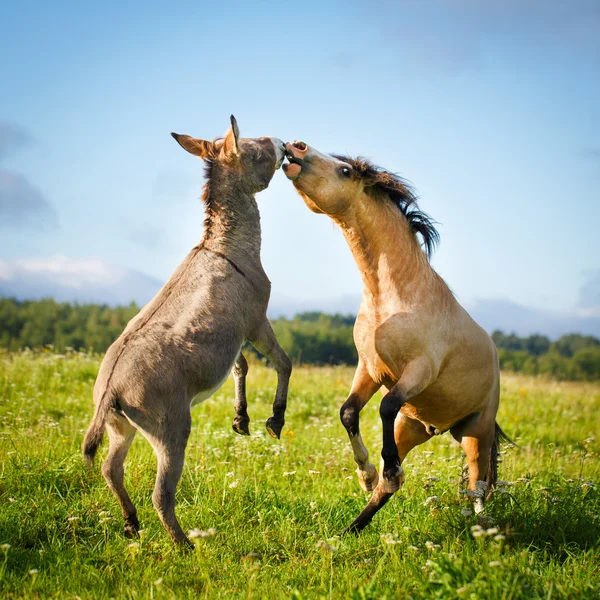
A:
x,y
231,145
200,148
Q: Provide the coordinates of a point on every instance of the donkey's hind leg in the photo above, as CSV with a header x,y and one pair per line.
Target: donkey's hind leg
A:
x,y
169,440
241,420
120,434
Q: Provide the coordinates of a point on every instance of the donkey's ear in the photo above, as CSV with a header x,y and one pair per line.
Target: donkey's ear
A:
x,y
231,145
200,148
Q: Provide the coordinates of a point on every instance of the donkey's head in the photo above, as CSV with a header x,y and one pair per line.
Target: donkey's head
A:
x,y
251,161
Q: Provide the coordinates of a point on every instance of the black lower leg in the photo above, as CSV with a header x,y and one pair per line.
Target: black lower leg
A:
x,y
378,500
349,415
389,409
132,525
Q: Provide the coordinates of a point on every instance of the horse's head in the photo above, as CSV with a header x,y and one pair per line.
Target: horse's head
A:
x,y
252,160
327,184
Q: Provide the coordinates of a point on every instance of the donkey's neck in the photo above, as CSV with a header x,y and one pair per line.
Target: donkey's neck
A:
x,y
232,222
390,260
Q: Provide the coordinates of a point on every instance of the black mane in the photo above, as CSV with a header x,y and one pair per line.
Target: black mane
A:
x,y
401,194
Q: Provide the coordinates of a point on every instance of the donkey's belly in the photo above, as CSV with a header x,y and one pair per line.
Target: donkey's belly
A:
x,y
205,394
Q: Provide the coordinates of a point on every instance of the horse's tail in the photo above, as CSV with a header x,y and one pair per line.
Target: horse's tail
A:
x,y
492,472
95,433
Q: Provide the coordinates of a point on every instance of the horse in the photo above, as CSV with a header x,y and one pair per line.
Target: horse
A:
x,y
437,367
183,344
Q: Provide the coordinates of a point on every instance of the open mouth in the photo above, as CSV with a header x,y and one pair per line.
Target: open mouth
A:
x,y
294,165
292,159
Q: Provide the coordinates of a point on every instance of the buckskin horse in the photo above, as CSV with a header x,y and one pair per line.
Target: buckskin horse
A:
x,y
438,368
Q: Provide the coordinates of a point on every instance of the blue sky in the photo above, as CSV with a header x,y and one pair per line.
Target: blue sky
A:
x,y
491,110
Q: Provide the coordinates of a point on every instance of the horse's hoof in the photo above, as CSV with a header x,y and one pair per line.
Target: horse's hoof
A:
x,y
274,427
368,478
392,480
241,426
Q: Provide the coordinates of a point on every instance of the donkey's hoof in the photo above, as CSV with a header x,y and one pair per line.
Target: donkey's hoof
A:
x,y
274,427
368,477
392,480
241,426
185,545
132,527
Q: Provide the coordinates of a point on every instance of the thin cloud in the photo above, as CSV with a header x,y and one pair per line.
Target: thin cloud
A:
x,y
449,35
22,205
75,280
13,138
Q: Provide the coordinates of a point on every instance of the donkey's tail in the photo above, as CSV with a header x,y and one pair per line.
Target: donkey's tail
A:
x,y
492,473
95,433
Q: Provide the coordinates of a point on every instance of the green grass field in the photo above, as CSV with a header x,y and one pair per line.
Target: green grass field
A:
x,y
277,506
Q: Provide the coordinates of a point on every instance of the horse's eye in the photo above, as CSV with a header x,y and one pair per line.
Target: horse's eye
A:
x,y
345,171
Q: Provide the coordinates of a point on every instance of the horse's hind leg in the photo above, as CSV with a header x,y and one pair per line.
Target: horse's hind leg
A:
x,y
241,420
477,441
120,434
363,388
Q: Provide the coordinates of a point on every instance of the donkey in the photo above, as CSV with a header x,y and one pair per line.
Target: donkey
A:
x,y
438,368
182,345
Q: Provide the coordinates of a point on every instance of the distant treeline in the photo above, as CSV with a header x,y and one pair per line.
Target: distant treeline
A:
x,y
575,357
310,338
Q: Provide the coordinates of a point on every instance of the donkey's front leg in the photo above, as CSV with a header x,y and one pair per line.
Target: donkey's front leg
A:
x,y
241,420
363,388
266,343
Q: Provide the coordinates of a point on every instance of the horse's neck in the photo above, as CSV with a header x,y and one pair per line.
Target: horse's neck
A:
x,y
391,263
232,223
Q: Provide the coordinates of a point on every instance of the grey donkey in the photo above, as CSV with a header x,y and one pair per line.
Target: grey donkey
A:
x,y
182,345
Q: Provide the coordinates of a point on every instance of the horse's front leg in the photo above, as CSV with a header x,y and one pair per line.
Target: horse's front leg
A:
x,y
242,420
265,342
415,377
363,388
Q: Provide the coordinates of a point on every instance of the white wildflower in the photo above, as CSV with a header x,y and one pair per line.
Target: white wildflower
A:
x,y
477,531
196,533
230,474
5,547
499,538
289,473
327,547
491,531
431,546
389,538
432,500
33,571
313,472
495,563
